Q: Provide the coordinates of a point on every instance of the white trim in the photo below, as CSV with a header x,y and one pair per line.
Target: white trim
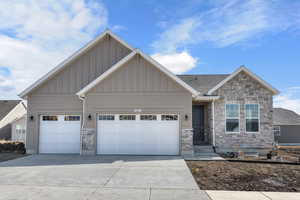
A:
x,y
121,63
239,118
245,111
251,74
70,59
206,98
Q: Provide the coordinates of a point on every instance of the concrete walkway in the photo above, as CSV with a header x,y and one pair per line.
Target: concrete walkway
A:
x,y
44,177
236,195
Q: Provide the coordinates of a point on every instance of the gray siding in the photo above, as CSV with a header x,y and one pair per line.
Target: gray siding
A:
x,y
85,69
289,134
242,89
138,85
58,95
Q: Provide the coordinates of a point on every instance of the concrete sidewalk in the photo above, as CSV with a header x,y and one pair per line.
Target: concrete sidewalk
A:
x,y
243,195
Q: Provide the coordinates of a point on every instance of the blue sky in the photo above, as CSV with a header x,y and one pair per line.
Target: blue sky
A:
x,y
192,36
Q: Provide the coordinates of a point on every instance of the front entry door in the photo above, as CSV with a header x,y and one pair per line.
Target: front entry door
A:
x,y
198,124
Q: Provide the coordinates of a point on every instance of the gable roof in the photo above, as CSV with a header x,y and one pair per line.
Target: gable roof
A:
x,y
203,83
283,116
70,59
17,112
251,74
121,63
6,106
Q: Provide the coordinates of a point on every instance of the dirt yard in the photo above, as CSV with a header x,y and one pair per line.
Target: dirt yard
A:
x,y
225,175
10,156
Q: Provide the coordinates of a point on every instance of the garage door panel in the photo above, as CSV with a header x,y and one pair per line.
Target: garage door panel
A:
x,y
59,136
138,137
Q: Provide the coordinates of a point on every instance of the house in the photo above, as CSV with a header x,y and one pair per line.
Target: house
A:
x,y
13,124
110,98
5,128
286,127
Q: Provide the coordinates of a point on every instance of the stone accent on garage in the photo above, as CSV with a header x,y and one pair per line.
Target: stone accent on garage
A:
x,y
88,141
242,89
187,142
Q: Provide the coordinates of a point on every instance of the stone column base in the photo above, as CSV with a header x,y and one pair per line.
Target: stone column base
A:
x,y
187,148
88,141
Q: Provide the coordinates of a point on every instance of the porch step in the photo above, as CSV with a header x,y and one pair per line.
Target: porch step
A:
x,y
203,149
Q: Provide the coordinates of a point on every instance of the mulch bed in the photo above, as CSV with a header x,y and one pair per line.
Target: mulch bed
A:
x,y
241,176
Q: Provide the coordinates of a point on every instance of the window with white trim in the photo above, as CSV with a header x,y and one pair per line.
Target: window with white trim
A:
x,y
252,117
276,131
72,118
50,118
148,117
106,117
232,118
169,117
127,117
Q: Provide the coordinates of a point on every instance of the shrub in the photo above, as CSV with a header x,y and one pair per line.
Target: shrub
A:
x,y
10,146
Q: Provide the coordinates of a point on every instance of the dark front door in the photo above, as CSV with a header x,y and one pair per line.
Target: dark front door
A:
x,y
198,124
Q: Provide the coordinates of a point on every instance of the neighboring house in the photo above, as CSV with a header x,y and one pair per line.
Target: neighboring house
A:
x,y
109,98
16,120
286,127
5,128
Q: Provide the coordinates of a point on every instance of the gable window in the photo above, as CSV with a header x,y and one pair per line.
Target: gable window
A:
x,y
252,117
232,118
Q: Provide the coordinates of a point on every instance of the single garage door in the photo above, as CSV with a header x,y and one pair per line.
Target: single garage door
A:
x,y
138,134
59,134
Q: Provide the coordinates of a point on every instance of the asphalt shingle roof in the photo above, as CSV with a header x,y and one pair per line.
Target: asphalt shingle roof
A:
x,y
285,117
203,83
6,106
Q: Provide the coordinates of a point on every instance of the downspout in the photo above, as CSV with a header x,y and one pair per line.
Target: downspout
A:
x,y
83,122
213,125
83,111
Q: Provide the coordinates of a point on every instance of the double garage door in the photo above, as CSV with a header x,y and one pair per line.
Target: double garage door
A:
x,y
116,134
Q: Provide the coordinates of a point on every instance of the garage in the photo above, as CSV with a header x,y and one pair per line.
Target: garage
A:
x,y
138,134
59,134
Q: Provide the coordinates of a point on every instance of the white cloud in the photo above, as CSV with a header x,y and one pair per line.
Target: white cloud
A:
x,y
36,35
226,23
177,63
289,99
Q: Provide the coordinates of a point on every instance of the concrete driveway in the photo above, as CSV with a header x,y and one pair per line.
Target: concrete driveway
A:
x,y
97,177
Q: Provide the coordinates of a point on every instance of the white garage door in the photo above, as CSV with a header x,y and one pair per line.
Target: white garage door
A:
x,y
59,134
138,134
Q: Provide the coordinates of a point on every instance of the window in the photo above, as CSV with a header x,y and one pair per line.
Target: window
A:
x,y
169,117
276,131
232,118
50,118
106,117
72,118
148,117
252,117
127,117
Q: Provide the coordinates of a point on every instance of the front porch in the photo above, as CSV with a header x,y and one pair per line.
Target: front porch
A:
x,y
203,123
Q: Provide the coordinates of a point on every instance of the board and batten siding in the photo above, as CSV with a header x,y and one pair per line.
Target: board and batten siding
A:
x,y
139,86
58,94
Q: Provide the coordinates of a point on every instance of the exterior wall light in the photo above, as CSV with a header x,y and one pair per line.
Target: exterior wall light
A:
x,y
31,118
186,117
90,117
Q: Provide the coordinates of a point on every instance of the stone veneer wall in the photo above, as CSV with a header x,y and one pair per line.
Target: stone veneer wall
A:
x,y
242,89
